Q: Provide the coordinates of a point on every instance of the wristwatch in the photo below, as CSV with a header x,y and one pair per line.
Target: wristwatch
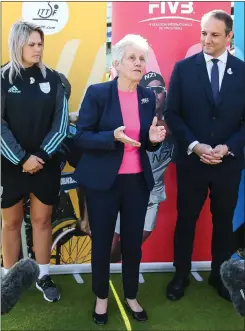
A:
x,y
229,151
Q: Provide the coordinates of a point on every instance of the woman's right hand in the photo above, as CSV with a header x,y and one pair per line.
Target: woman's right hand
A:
x,y
33,164
123,138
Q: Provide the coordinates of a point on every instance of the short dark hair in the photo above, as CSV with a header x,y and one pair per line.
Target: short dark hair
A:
x,y
222,16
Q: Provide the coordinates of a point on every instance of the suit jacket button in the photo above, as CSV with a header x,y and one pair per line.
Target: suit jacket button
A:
x,y
214,118
212,134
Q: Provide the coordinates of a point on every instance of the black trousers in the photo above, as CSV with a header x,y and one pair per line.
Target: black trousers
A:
x,y
194,184
129,195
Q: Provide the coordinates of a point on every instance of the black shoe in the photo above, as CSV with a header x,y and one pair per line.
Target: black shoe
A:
x,y
100,319
176,287
217,283
138,316
48,287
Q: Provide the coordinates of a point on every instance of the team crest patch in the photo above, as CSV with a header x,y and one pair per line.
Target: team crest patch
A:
x,y
45,87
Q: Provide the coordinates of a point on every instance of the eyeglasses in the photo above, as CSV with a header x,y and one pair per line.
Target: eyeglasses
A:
x,y
158,89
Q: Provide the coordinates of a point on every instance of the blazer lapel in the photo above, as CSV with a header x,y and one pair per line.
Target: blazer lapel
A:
x,y
117,112
228,79
203,75
141,110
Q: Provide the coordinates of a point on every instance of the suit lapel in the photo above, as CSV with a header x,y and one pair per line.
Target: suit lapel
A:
x,y
141,109
203,75
228,79
117,112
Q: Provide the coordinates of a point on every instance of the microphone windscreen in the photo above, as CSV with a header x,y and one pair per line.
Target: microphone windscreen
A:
x,y
18,279
233,276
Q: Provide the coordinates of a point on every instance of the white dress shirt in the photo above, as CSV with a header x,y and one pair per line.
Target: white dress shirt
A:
x,y
209,64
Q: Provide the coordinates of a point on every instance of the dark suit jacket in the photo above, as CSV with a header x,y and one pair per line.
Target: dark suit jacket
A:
x,y
191,113
100,114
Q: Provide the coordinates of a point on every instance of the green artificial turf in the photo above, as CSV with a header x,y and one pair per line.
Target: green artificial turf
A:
x,y
200,309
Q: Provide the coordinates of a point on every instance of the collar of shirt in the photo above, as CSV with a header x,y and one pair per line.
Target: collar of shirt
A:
x,y
222,57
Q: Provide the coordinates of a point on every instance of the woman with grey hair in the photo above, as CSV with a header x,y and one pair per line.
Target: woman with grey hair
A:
x,y
116,126
34,123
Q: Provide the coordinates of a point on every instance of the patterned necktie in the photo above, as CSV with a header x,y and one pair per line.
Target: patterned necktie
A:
x,y
215,79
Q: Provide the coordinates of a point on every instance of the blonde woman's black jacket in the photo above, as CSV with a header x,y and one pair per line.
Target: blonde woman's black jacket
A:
x,y
34,115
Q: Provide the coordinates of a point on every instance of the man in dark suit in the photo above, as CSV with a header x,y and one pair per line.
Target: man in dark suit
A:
x,y
205,111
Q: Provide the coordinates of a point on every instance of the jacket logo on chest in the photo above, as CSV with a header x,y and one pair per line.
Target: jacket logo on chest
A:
x,y
13,89
144,100
229,71
45,87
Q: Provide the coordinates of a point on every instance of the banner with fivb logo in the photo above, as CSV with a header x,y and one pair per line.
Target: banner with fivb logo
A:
x,y
173,31
75,45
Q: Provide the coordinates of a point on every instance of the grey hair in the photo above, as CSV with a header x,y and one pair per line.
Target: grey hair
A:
x,y
118,50
18,37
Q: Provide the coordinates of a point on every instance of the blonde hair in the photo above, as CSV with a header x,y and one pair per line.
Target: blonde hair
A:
x,y
18,37
118,50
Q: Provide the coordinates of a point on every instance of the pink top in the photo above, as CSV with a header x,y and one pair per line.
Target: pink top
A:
x,y
131,163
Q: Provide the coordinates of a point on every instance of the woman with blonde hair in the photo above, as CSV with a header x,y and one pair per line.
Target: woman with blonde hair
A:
x,y
33,124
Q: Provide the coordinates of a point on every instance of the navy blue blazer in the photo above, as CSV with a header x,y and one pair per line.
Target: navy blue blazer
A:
x,y
192,114
99,115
